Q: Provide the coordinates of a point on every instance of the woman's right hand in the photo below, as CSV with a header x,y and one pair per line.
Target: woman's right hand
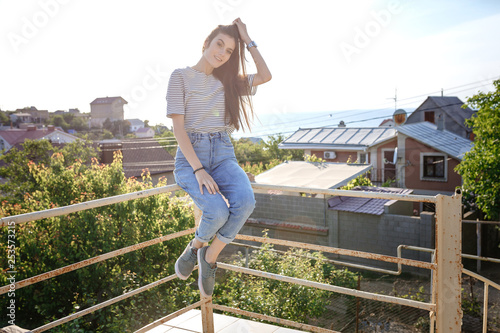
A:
x,y
204,178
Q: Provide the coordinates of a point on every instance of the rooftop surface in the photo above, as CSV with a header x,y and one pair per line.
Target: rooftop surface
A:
x,y
445,141
312,174
191,322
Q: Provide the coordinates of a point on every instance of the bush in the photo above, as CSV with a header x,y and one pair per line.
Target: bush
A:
x,y
281,299
51,243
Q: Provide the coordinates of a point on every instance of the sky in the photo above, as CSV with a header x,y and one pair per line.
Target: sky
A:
x,y
330,60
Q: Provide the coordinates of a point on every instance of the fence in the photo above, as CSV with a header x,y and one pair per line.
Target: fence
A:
x,y
444,308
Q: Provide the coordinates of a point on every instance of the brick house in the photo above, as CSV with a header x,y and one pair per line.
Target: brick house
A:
x,y
420,156
372,145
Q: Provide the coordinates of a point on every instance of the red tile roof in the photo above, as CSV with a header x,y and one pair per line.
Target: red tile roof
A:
x,y
13,136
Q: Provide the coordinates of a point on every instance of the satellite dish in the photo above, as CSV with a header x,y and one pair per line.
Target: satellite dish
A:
x,y
399,117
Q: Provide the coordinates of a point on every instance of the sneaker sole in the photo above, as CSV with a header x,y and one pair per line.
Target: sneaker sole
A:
x,y
179,275
200,275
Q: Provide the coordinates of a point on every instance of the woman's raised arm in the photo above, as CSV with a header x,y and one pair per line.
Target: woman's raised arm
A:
x,y
263,74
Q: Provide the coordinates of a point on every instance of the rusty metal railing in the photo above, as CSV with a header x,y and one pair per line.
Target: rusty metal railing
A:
x,y
444,307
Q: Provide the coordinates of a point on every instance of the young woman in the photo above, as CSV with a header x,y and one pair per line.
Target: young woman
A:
x,y
207,102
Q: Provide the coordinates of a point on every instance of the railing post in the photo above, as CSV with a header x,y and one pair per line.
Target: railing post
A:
x,y
449,263
207,313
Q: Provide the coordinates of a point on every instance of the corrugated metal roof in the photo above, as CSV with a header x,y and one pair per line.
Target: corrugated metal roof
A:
x,y
364,205
338,137
308,174
444,141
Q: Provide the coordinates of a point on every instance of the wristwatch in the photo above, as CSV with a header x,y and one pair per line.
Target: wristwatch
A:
x,y
251,44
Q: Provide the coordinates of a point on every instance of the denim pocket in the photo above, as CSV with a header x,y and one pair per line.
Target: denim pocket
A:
x,y
226,140
194,140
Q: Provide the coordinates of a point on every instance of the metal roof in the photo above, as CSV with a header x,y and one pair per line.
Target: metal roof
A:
x,y
312,174
364,205
442,140
352,138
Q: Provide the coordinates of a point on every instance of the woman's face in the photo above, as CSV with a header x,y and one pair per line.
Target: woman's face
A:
x,y
220,49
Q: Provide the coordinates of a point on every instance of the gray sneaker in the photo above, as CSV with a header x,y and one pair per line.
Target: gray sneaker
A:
x,y
186,262
206,274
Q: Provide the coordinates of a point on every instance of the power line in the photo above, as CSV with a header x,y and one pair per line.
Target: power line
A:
x,y
370,111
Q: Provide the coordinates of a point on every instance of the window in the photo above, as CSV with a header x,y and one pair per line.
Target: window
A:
x,y
363,158
429,116
433,166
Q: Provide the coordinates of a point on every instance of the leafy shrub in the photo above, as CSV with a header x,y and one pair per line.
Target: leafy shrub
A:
x,y
51,243
276,298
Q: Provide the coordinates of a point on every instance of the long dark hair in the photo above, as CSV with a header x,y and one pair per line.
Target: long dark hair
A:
x,y
233,78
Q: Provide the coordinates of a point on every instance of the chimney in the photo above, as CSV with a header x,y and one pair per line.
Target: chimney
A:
x,y
51,128
31,128
440,122
341,124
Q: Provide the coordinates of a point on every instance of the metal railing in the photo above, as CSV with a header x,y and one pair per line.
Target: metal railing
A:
x,y
444,308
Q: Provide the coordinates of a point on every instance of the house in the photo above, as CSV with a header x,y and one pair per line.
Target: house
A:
x,y
312,174
449,109
11,137
21,117
387,123
420,156
427,156
106,108
139,155
37,116
135,124
147,132
373,145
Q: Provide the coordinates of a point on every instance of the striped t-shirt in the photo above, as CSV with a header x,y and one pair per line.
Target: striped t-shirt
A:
x,y
200,98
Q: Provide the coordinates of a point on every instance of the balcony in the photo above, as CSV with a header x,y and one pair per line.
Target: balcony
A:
x,y
444,308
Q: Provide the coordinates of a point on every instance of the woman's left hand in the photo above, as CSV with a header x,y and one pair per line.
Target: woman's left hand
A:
x,y
242,29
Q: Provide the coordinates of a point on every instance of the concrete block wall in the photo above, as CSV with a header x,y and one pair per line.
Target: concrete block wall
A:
x,y
363,232
288,208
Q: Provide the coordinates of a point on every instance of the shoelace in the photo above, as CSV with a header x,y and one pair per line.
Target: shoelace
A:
x,y
211,271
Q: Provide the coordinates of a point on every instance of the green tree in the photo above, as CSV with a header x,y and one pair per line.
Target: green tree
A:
x,y
272,144
106,134
59,121
51,243
361,180
16,172
247,151
480,166
4,119
78,124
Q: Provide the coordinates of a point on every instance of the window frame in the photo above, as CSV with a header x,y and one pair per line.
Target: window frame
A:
x,y
444,178
367,157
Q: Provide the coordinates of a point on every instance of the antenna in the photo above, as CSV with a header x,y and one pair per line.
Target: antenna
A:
x,y
395,98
